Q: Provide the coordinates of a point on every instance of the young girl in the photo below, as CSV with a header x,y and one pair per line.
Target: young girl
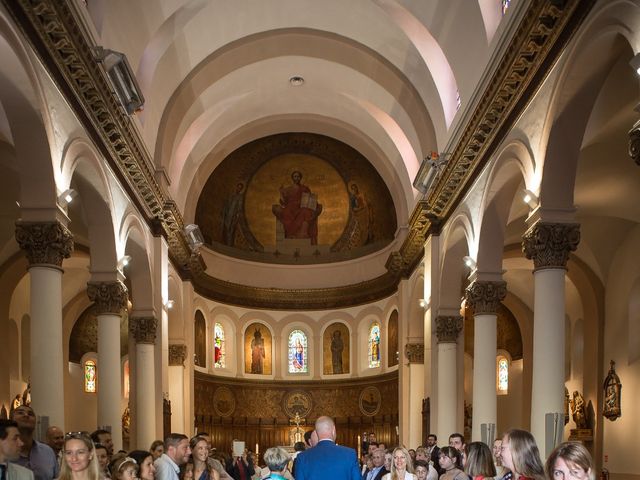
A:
x,y
451,461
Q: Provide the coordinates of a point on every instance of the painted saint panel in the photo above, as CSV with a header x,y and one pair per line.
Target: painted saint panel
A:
x,y
374,345
298,359
90,376
336,349
257,349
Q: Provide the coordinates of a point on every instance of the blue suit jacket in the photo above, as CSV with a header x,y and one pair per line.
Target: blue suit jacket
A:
x,y
327,460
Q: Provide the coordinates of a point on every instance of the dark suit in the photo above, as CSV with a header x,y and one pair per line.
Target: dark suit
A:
x,y
381,473
327,460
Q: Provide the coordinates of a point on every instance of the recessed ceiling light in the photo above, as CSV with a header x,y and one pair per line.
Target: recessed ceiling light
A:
x,y
296,80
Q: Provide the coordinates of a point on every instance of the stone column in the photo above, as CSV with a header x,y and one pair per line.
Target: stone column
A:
x,y
414,353
143,330
46,244
484,297
110,300
548,245
177,356
448,327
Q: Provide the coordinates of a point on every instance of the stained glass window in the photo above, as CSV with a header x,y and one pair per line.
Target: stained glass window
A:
x,y
219,354
90,376
505,6
502,375
458,100
374,346
125,377
298,358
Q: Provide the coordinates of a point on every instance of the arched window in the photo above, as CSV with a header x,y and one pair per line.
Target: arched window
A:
x,y
90,376
298,358
219,351
502,375
374,345
200,340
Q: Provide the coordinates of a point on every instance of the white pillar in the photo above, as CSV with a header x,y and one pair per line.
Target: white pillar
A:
x,y
484,297
447,330
177,356
144,333
548,244
46,244
414,353
110,299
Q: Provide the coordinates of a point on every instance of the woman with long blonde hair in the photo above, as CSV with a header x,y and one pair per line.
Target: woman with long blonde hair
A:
x,y
79,460
401,466
520,454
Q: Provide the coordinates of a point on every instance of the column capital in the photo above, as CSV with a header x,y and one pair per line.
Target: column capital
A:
x,y
414,352
549,244
143,329
634,142
448,327
45,243
177,354
484,296
108,297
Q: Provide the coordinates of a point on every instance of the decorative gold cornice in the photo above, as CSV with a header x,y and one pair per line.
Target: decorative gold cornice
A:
x,y
549,244
59,40
45,243
414,352
177,354
484,297
634,143
143,329
108,297
448,327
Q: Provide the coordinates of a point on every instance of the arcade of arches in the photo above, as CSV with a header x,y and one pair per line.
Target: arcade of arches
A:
x,y
339,273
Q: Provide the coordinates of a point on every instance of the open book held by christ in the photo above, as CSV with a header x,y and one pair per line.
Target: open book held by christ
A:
x,y
309,200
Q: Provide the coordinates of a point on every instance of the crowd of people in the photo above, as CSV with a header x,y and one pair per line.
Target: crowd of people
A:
x,y
84,456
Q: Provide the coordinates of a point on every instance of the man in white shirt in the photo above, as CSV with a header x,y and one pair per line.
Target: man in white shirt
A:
x,y
176,453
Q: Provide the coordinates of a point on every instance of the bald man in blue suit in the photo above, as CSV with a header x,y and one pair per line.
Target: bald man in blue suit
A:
x,y
326,459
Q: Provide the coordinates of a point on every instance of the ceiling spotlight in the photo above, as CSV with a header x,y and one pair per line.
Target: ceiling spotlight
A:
x,y
423,303
530,198
124,261
169,304
635,63
66,197
296,80
469,262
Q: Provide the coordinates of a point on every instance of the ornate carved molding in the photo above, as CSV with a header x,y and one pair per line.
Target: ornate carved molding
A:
x,y
46,243
177,354
634,143
414,352
108,297
549,244
448,327
143,329
485,296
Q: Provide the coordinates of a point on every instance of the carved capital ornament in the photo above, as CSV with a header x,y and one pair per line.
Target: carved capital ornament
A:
x,y
634,143
484,297
45,243
108,297
177,354
143,329
549,244
414,352
448,327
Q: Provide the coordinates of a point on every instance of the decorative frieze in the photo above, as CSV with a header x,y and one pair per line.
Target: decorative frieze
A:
x,y
634,143
108,297
549,244
46,243
143,329
414,352
448,327
484,297
177,354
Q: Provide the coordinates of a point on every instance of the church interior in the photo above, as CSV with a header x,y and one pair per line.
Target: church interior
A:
x,y
235,217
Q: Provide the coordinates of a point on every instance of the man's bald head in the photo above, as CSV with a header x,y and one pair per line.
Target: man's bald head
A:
x,y
325,428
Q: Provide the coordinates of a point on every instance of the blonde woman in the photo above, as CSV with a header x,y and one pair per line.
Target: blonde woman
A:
x,y
401,466
79,460
520,454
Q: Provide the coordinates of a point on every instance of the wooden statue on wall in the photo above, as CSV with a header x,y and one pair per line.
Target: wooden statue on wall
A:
x,y
578,410
612,394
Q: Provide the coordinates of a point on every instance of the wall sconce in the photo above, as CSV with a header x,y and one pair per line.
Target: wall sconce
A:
x,y
169,304
424,303
122,79
194,236
66,197
635,63
530,198
124,261
428,170
469,262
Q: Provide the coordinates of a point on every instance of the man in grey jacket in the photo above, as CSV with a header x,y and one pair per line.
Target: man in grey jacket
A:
x,y
10,445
